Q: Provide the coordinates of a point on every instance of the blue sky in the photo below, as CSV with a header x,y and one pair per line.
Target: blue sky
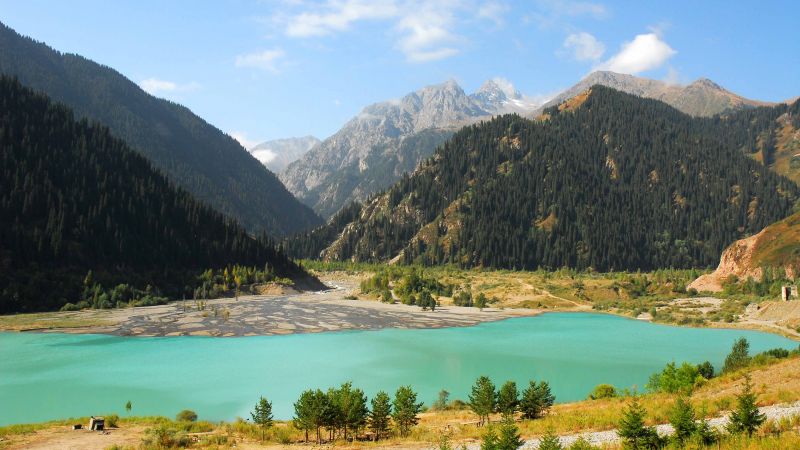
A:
x,y
264,69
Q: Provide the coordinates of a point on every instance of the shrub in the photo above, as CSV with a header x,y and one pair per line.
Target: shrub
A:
x,y
187,415
603,391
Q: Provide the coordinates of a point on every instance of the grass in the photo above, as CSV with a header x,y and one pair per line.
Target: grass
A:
x,y
49,320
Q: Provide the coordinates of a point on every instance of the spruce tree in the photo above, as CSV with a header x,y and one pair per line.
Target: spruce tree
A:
x,y
509,438
483,400
379,414
632,430
746,418
490,440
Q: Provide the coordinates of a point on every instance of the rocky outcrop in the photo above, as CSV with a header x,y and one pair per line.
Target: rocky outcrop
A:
x,y
279,153
736,260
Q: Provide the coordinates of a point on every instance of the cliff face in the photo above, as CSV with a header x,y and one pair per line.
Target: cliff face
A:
x,y
776,246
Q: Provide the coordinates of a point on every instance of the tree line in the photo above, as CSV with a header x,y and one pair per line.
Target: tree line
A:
x,y
74,198
619,183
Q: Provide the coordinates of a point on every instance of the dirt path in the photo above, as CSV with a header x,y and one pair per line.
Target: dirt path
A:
x,y
63,438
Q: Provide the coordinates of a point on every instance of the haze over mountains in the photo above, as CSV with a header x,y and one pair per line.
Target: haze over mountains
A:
x,y
279,153
389,139
191,152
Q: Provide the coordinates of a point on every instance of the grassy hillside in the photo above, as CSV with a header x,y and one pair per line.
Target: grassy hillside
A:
x,y
779,245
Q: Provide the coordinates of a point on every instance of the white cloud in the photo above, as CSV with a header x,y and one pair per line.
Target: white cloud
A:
x,y
155,86
583,47
264,155
645,52
493,11
265,60
243,139
339,15
424,30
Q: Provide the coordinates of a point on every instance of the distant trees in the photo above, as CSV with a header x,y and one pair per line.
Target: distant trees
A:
x,y
187,415
603,391
673,379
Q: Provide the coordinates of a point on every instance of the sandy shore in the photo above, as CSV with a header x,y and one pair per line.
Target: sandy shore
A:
x,y
264,315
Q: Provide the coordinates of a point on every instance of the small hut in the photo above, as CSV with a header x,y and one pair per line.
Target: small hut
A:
x,y
97,424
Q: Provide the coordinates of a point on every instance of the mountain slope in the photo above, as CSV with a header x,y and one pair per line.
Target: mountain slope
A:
x,y
194,154
279,153
776,246
778,147
608,180
703,97
389,139
73,198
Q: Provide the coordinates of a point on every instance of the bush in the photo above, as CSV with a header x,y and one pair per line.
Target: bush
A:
x,y
187,415
603,391
111,420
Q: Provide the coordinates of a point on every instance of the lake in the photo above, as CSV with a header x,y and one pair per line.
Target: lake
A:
x,y
50,376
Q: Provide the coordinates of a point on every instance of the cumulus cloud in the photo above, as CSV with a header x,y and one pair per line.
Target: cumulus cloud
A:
x,y
156,86
645,52
266,60
583,47
426,34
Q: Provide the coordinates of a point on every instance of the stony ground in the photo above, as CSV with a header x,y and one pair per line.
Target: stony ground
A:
x,y
267,315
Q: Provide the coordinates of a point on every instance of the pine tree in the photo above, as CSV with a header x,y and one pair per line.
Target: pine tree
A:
x,y
380,414
509,438
683,421
633,431
739,356
536,400
262,415
549,441
482,400
405,409
490,440
746,418
508,399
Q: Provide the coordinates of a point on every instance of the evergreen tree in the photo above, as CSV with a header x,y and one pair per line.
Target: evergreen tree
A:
x,y
405,409
706,370
309,412
739,356
746,418
632,430
683,421
508,399
262,415
536,400
490,440
483,399
549,441
379,414
509,438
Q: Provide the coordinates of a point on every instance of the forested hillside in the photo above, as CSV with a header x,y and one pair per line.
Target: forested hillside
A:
x,y
192,153
73,198
607,180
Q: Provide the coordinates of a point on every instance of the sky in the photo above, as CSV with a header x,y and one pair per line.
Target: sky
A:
x,y
269,69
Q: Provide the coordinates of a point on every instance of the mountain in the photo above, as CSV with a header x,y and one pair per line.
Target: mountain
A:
x,y
703,97
191,152
279,153
776,247
389,139
606,180
74,198
778,147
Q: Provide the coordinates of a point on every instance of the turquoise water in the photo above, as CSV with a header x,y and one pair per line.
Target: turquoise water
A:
x,y
48,376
